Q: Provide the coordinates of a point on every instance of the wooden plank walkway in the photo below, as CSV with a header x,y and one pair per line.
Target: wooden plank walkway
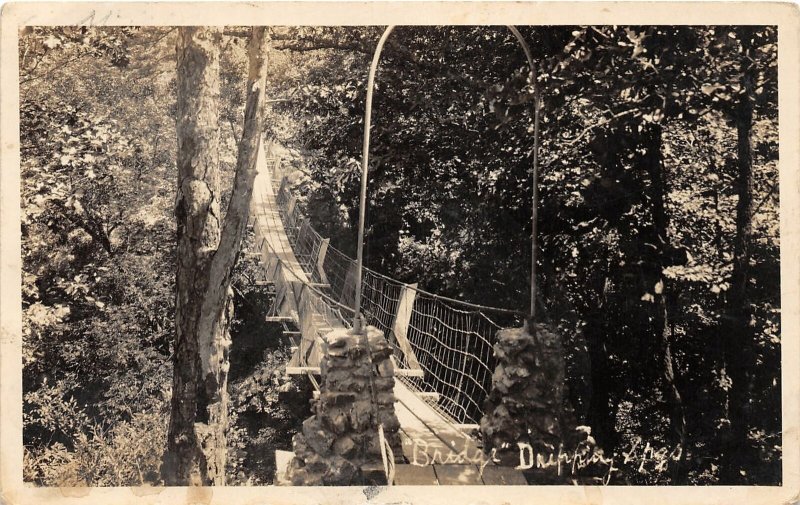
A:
x,y
438,453
286,272
268,223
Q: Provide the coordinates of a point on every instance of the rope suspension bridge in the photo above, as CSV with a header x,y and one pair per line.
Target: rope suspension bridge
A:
x,y
442,348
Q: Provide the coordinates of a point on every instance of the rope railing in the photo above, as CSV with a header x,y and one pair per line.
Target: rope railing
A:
x,y
387,456
448,342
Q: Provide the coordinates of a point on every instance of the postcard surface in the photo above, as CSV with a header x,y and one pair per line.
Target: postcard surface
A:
x,y
387,252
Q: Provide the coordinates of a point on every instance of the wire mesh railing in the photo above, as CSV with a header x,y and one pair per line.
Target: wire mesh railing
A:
x,y
448,343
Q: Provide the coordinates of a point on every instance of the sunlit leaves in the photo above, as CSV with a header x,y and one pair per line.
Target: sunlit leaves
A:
x,y
96,280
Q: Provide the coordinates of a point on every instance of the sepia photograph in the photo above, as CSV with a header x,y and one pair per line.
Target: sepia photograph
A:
x,y
259,254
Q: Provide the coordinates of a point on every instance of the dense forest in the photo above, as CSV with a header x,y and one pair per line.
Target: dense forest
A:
x,y
658,227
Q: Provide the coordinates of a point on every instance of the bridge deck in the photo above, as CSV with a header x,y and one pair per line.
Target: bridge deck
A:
x,y
264,209
294,299
437,452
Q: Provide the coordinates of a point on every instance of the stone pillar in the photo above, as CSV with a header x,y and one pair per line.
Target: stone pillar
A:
x,y
339,444
527,400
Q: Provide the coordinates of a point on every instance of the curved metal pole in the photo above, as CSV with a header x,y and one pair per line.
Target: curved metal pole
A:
x,y
535,175
358,320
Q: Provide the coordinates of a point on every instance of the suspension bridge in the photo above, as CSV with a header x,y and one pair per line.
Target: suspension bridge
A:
x,y
442,348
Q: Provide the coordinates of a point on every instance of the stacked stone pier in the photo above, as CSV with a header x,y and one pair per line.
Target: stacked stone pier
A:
x,y
340,444
527,401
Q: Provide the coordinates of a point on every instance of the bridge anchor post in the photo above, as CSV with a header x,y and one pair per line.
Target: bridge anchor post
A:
x,y
528,400
340,444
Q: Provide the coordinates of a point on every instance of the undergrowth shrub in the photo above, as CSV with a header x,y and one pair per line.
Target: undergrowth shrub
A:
x,y
128,454
267,409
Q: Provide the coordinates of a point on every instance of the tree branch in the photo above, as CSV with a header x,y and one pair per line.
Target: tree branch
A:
x,y
224,259
394,49
766,197
233,130
322,45
598,124
92,227
57,66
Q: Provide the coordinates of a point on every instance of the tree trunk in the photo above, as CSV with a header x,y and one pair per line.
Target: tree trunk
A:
x,y
603,385
736,329
198,218
603,399
196,444
658,287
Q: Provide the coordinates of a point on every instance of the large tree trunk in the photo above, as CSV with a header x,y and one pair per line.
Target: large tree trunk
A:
x,y
603,399
196,444
198,217
737,332
664,256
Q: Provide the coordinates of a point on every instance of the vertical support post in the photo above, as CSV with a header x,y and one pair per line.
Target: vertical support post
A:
x,y
282,187
357,320
280,289
306,327
257,230
277,170
460,393
401,321
272,263
323,250
350,289
535,171
300,244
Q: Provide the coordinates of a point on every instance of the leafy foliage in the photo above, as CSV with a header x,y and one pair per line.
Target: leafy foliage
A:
x,y
127,454
97,255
